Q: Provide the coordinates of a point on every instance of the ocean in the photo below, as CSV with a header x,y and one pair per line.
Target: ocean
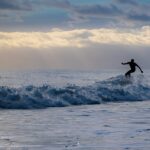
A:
x,y
74,110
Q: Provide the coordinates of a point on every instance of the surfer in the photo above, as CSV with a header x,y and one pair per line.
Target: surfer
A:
x,y
133,66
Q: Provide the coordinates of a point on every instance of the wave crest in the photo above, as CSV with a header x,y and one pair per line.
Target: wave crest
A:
x,y
111,90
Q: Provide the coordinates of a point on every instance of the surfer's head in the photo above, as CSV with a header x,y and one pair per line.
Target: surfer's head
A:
x,y
132,60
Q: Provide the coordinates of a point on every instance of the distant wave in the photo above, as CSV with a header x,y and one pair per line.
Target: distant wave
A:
x,y
111,90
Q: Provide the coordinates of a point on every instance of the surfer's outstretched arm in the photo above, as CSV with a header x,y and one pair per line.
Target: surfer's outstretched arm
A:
x,y
125,63
139,68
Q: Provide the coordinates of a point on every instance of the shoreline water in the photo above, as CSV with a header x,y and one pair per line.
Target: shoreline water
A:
x,y
114,126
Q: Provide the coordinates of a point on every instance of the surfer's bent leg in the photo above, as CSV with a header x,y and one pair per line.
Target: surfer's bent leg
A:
x,y
128,74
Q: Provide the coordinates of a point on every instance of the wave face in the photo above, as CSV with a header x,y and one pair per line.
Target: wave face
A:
x,y
111,90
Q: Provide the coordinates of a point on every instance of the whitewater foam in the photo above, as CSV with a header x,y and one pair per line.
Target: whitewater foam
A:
x,y
113,89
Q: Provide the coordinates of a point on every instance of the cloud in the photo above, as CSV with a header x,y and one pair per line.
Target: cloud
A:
x,y
131,2
63,4
139,17
98,10
30,11
15,5
118,13
30,4
78,38
6,4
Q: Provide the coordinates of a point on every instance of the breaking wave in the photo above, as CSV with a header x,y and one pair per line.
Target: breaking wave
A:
x,y
111,90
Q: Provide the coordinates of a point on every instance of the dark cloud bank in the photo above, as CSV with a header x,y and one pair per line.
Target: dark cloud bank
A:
x,y
113,12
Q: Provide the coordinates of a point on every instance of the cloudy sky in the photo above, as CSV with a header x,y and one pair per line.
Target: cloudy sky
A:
x,y
73,34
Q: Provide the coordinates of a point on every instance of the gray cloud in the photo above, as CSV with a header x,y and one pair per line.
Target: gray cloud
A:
x,y
98,10
6,4
139,17
136,11
131,2
116,13
61,4
57,3
15,5
3,15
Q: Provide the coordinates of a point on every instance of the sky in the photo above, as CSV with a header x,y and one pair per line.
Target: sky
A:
x,y
74,34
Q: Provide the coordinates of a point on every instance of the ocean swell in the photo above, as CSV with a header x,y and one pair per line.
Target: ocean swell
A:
x,y
111,90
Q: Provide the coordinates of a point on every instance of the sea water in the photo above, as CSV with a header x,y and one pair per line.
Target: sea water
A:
x,y
83,110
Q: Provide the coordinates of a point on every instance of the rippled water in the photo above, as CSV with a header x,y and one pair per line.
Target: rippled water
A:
x,y
113,126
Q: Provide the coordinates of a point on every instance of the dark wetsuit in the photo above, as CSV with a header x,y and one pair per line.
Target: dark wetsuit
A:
x,y
133,68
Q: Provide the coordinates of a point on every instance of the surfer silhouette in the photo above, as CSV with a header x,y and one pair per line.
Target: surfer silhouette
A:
x,y
133,66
